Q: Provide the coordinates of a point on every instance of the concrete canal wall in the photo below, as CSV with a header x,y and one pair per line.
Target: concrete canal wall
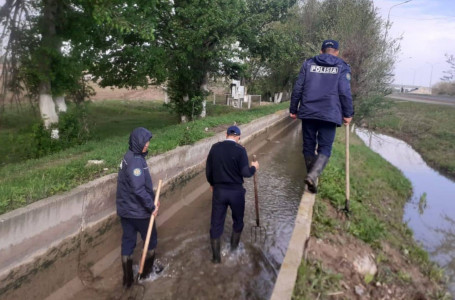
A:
x,y
284,285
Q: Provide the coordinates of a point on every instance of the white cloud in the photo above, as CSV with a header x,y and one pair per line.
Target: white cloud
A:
x,y
428,31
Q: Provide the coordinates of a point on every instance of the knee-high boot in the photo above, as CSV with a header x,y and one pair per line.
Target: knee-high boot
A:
x,y
216,249
149,265
315,171
235,239
127,266
309,161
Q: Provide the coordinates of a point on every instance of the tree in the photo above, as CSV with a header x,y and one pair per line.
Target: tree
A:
x,y
450,73
273,69
33,59
358,26
360,31
203,37
52,42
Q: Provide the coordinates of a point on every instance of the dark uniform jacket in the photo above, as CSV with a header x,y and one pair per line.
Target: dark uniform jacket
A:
x,y
227,164
135,194
323,90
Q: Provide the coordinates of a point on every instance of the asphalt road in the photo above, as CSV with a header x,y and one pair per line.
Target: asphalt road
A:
x,y
445,100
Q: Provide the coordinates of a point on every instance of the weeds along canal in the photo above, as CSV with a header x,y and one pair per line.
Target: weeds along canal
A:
x,y
430,212
184,245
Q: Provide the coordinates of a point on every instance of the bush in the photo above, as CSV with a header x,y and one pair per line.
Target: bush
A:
x,y
444,88
191,108
72,130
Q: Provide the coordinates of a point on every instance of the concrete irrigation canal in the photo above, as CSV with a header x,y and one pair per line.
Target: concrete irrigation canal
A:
x,y
67,247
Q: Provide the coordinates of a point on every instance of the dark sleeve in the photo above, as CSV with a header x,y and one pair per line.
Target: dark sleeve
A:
x,y
344,91
137,179
245,168
208,168
297,91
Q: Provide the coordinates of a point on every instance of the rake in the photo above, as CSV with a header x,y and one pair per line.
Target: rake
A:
x,y
258,232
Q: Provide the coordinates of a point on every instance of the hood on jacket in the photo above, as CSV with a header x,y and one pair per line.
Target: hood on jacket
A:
x,y
138,138
327,60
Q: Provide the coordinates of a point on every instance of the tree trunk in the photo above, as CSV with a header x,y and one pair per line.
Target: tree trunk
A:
x,y
166,96
204,110
46,105
61,104
278,97
48,42
205,88
184,118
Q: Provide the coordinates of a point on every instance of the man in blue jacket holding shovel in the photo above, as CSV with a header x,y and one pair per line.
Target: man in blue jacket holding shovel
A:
x,y
322,99
135,204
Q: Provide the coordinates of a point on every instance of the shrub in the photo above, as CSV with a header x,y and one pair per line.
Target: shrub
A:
x,y
72,130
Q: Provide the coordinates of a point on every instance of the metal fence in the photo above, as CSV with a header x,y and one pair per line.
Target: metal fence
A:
x,y
248,101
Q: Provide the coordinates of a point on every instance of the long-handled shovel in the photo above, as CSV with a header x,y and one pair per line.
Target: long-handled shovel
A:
x,y
346,204
258,231
149,232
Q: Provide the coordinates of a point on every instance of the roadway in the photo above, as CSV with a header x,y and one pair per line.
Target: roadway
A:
x,y
433,99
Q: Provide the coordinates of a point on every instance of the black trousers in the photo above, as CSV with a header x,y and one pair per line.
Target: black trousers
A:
x,y
130,229
221,200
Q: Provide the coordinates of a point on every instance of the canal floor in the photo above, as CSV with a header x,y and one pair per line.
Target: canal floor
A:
x,y
184,247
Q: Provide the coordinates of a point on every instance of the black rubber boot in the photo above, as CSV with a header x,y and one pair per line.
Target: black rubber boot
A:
x,y
235,239
149,265
127,265
309,161
316,170
216,249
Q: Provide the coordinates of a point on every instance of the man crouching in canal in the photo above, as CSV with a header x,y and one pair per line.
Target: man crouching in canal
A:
x,y
135,204
227,164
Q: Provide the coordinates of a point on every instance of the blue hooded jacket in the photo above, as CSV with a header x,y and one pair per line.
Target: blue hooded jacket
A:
x,y
135,194
322,90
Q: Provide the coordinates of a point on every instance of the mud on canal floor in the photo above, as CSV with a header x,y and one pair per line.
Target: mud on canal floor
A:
x,y
184,245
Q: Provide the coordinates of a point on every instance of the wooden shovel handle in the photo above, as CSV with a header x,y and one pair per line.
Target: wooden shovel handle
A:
x,y
256,201
347,165
149,230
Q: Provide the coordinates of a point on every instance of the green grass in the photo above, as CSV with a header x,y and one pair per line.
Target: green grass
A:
x,y
428,128
106,119
317,281
26,181
378,194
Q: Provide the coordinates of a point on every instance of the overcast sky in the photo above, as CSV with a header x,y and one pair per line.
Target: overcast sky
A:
x,y
428,31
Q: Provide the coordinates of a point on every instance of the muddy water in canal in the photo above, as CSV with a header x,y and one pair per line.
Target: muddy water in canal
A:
x,y
184,245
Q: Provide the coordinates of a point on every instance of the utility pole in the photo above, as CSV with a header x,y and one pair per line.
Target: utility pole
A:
x,y
388,18
431,75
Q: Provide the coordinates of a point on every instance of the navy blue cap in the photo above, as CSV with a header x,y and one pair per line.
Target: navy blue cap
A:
x,y
329,44
233,130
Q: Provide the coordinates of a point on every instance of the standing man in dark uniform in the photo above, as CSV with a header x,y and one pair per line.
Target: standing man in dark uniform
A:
x,y
322,99
227,164
135,203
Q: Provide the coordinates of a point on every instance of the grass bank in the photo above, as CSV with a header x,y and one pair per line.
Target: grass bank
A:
x,y
24,182
375,229
428,128
106,119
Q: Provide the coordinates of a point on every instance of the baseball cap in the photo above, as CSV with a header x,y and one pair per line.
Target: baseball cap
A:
x,y
233,130
329,44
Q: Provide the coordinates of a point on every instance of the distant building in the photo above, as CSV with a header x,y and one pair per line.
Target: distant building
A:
x,y
411,89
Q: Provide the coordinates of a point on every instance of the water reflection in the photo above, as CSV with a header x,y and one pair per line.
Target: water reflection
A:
x,y
430,213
